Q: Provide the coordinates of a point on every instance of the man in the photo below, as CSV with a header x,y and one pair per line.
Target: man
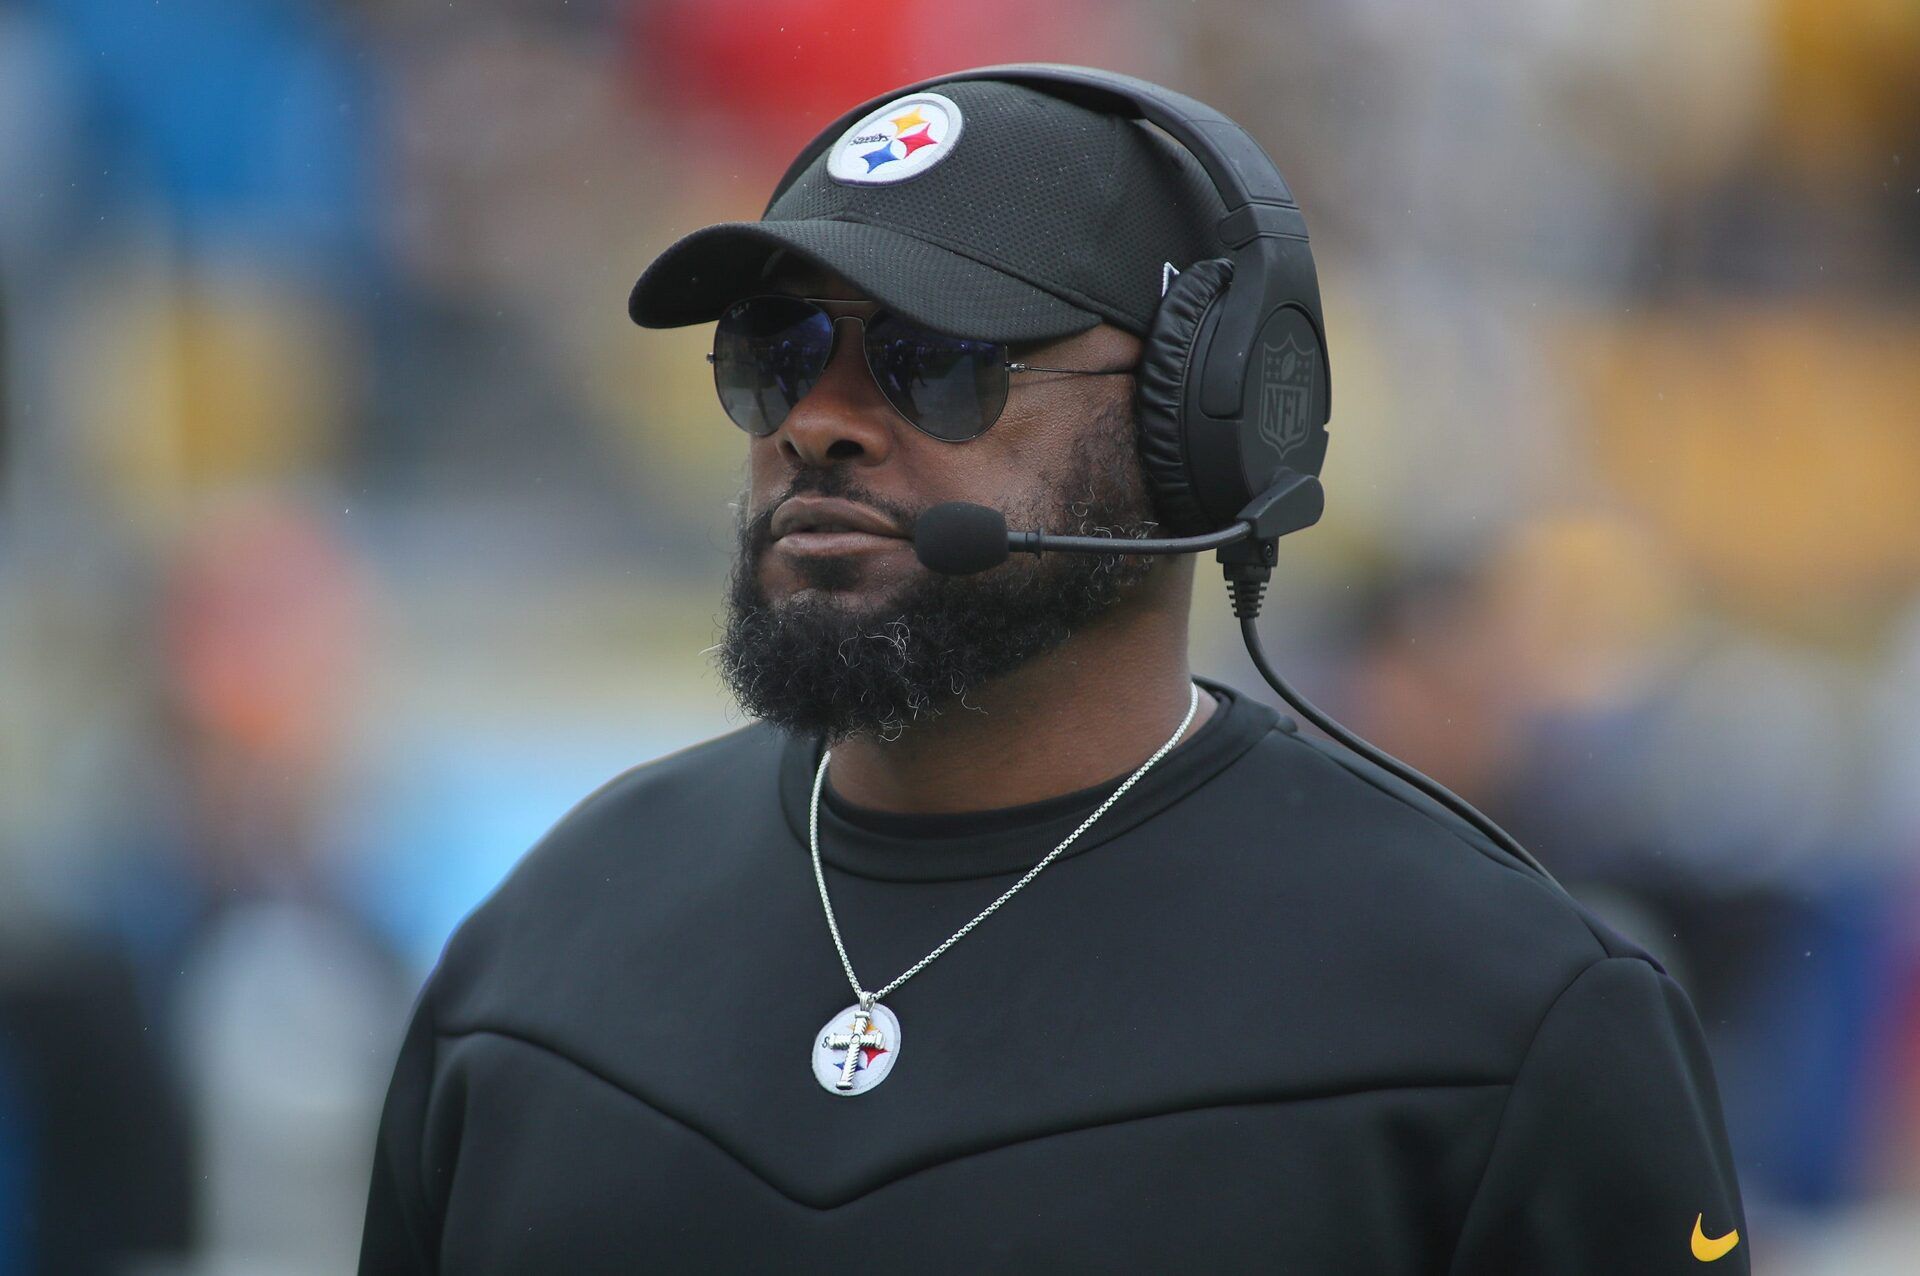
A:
x,y
999,941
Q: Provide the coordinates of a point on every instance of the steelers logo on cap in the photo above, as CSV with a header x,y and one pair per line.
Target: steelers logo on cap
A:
x,y
902,139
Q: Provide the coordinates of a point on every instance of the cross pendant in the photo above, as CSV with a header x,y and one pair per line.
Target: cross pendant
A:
x,y
851,1042
867,1036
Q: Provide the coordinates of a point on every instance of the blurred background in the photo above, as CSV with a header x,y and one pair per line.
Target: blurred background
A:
x,y
349,532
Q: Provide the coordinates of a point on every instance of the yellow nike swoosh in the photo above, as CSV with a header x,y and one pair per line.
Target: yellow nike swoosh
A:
x,y
1706,1248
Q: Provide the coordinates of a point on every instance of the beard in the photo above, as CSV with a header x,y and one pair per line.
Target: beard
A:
x,y
820,664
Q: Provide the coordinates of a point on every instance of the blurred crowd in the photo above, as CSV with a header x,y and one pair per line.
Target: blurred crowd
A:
x,y
349,532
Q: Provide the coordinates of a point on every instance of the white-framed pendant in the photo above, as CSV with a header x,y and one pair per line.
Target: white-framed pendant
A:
x,y
856,1049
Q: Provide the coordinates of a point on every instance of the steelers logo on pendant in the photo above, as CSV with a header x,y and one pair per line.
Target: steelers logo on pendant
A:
x,y
855,1050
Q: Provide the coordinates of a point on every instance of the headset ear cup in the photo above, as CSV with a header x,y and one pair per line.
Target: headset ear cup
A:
x,y
1160,394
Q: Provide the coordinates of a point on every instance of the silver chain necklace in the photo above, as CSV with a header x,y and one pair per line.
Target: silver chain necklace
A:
x,y
858,1047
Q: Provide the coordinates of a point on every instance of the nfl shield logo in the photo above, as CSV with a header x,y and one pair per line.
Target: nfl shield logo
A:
x,y
1286,394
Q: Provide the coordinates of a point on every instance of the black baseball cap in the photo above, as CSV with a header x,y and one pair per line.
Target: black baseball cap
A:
x,y
981,208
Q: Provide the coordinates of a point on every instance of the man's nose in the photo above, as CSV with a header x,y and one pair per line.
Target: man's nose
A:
x,y
844,416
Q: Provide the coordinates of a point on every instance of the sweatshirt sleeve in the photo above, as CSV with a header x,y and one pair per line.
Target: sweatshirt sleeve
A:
x,y
1612,1154
400,1237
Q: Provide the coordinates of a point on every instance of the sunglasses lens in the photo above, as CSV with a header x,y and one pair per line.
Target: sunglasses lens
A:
x,y
767,353
949,387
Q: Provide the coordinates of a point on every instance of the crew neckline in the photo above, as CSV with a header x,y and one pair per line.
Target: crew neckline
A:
x,y
902,846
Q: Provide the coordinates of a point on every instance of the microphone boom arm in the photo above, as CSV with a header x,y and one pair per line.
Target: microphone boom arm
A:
x,y
1041,542
1294,501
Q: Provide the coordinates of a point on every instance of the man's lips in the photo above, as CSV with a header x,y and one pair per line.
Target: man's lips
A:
x,y
828,525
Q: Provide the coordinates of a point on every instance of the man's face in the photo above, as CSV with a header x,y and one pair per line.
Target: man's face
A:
x,y
846,634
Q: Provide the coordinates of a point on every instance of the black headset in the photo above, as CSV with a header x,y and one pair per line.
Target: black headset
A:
x,y
1233,391
1234,384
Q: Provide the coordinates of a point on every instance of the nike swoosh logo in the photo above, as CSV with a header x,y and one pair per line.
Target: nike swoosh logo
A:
x,y
1706,1248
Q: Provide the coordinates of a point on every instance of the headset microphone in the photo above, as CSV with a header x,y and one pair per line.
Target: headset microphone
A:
x,y
960,538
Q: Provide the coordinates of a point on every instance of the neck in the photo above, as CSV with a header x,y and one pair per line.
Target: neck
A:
x,y
1089,711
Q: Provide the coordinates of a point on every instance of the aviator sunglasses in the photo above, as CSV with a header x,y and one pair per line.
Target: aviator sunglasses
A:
x,y
770,350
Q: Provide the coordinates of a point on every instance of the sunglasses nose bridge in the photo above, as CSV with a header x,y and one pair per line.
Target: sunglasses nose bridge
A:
x,y
859,344
837,320
833,340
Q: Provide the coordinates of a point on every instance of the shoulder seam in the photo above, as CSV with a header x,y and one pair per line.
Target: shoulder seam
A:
x,y
1340,759
1606,942
1486,850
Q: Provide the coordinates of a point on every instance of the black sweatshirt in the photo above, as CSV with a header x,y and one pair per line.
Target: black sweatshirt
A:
x,y
1276,1010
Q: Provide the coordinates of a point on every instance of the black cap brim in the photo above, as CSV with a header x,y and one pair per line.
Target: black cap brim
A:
x,y
702,274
